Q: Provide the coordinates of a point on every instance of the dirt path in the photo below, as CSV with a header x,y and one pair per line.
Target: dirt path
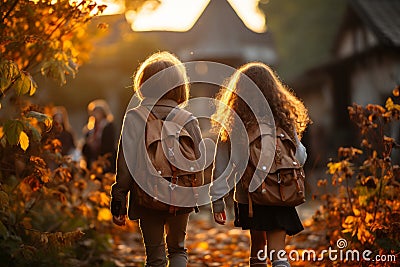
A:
x,y
208,244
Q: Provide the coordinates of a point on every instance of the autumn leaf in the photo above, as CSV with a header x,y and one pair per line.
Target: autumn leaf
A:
x,y
369,218
8,71
356,211
104,215
101,198
203,245
390,105
396,91
23,140
38,161
333,167
47,120
12,129
23,84
33,88
33,183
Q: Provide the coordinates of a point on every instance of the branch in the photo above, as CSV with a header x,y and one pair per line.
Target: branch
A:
x,y
63,20
379,193
9,11
348,193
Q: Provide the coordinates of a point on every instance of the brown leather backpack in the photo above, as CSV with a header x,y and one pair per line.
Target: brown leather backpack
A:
x,y
173,136
283,183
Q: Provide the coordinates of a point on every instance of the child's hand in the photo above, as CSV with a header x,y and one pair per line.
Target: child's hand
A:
x,y
119,220
220,217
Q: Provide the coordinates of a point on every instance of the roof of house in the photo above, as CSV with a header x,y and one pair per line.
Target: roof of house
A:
x,y
382,17
219,33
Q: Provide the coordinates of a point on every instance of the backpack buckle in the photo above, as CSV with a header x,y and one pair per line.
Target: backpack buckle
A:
x,y
171,153
174,181
172,186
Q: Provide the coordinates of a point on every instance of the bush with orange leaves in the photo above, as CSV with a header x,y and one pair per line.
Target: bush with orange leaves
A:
x,y
47,201
53,211
365,208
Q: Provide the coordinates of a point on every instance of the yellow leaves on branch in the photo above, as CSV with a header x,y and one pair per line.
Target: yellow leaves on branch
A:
x,y
349,152
100,198
11,76
322,182
390,105
56,240
334,167
359,225
344,168
340,167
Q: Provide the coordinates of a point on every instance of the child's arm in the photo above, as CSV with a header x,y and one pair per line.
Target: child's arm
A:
x,y
123,179
219,182
121,187
301,153
194,130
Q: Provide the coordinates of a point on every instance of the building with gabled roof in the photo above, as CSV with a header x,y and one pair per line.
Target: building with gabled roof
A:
x,y
218,35
365,68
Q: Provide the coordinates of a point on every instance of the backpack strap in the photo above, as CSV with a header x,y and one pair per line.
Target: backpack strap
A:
x,y
265,132
250,205
259,130
145,113
181,117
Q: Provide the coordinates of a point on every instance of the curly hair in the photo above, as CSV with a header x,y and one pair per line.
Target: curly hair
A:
x,y
288,111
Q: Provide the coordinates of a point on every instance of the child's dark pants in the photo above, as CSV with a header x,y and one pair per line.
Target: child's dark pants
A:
x,y
152,226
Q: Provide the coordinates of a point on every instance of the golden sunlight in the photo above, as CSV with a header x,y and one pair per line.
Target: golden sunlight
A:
x,y
181,15
113,6
170,15
250,14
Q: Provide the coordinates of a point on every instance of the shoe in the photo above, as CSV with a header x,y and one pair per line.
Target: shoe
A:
x,y
254,261
280,263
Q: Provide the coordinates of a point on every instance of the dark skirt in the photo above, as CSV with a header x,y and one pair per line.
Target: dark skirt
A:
x,y
268,218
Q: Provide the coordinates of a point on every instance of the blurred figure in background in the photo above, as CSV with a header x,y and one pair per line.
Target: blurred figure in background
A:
x,y
99,135
64,132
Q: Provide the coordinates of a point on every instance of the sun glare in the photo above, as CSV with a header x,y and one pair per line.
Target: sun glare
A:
x,y
181,15
113,6
170,15
250,14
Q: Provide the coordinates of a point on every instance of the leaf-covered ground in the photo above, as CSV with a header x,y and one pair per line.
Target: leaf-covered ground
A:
x,y
210,244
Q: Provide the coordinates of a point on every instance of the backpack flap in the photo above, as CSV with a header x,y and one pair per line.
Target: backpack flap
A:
x,y
185,144
179,147
155,149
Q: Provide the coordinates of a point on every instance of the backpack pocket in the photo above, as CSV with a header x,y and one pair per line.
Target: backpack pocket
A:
x,y
282,188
